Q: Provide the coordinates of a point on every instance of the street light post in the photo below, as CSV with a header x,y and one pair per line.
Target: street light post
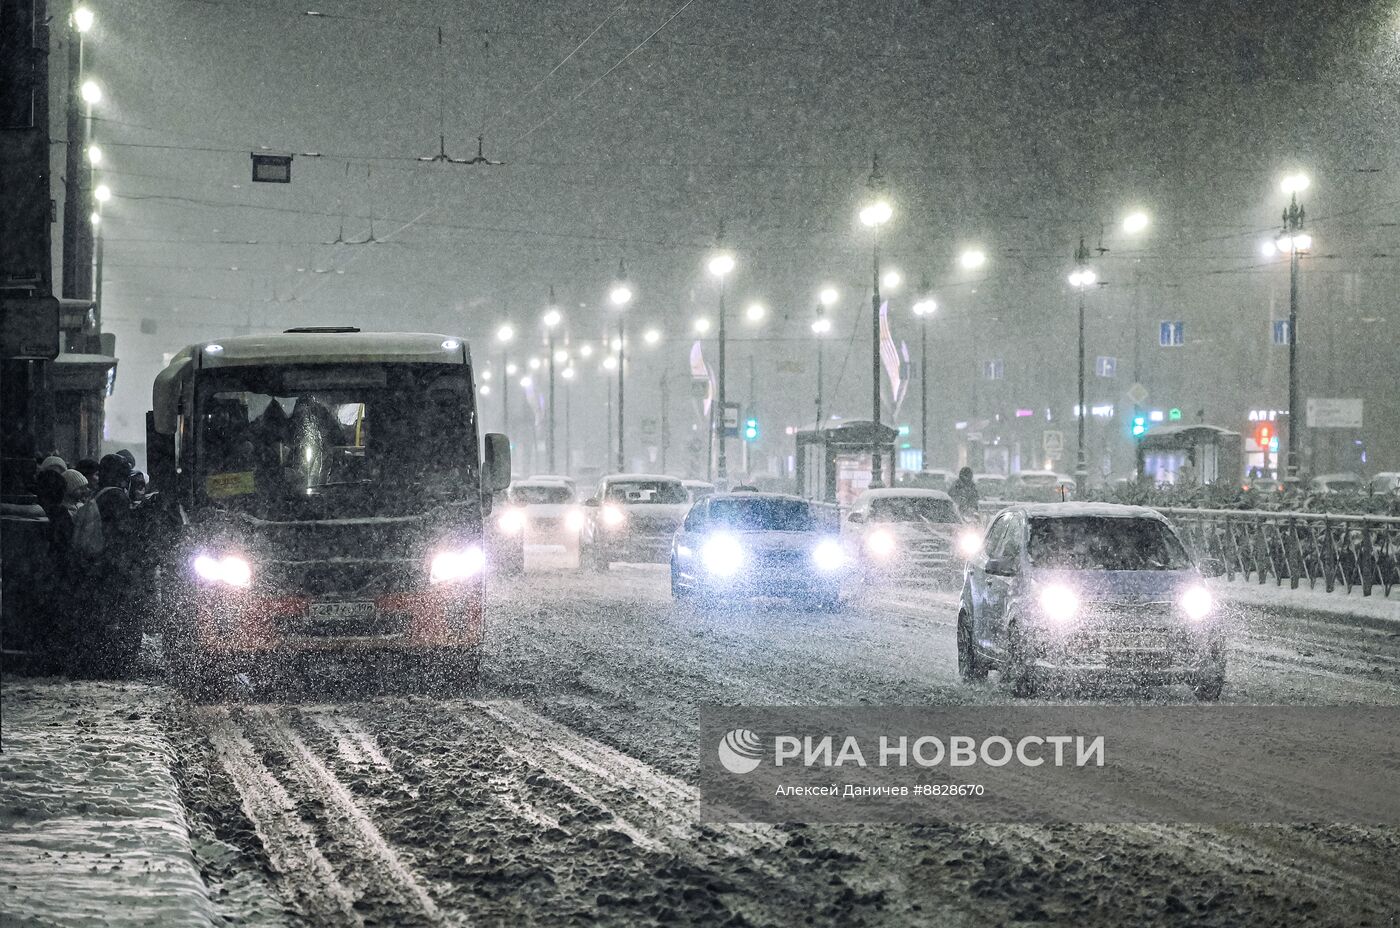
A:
x,y
924,308
874,215
720,265
75,199
1081,278
551,320
620,296
504,334
820,326
1295,241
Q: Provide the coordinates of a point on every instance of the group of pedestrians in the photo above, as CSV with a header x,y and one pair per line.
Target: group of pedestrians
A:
x,y
90,623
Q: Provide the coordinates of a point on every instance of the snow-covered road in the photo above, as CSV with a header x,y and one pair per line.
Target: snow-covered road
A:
x,y
563,791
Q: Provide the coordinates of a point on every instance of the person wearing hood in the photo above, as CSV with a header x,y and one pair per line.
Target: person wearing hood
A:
x,y
54,463
75,493
964,494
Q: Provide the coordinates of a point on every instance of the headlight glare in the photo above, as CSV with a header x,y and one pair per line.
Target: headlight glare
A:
x,y
1197,602
612,516
1059,602
722,555
828,555
230,569
970,542
457,564
880,543
512,521
573,520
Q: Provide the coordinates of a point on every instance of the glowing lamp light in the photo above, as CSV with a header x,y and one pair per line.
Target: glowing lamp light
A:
x,y
970,543
458,565
1197,603
926,307
90,92
876,214
82,19
552,318
585,351
610,363
561,356
1295,183
651,336
880,543
621,295
821,326
230,570
721,264
102,193
722,555
828,296
972,258
1135,222
612,515
891,279
1059,602
755,312
828,555
512,521
94,154
505,333
702,326
567,373
1082,277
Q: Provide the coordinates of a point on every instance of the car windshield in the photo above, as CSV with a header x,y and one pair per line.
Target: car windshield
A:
x,y
327,441
540,496
913,509
762,515
635,492
1105,543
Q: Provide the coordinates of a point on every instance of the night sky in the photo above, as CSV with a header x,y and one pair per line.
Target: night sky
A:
x,y
1015,127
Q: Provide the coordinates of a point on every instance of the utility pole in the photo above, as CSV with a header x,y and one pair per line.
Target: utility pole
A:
x,y
1082,278
720,265
77,206
874,215
621,379
552,318
665,418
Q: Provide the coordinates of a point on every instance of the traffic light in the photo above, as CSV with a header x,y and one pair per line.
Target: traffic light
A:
x,y
1264,434
1139,426
1174,414
751,429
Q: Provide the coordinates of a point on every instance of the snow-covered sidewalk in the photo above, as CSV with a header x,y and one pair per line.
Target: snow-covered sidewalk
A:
x,y
1376,607
92,831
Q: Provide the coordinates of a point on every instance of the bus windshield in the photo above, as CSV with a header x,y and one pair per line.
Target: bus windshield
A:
x,y
308,441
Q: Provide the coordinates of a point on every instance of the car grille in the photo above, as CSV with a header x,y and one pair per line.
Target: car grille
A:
x,y
545,523
340,579
377,625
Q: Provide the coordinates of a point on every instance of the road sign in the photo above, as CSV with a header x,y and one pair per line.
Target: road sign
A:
x,y
649,427
731,420
1052,441
1138,394
1334,413
272,169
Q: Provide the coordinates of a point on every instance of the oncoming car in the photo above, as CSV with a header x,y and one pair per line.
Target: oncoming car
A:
x,y
632,517
740,545
1081,592
542,512
912,533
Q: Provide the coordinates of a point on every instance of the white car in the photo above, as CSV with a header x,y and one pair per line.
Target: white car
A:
x,y
698,489
632,517
917,534
1386,482
1336,483
544,512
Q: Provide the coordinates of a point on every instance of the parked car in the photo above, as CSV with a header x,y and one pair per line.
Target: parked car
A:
x,y
698,489
1089,592
990,486
1385,482
632,517
741,545
1040,486
1336,483
907,533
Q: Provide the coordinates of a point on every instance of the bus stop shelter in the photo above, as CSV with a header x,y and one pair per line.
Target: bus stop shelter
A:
x,y
1191,454
834,464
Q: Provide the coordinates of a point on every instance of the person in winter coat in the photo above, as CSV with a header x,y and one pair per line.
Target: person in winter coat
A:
x,y
964,493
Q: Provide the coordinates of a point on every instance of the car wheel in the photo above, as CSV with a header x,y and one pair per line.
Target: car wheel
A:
x,y
1018,672
969,667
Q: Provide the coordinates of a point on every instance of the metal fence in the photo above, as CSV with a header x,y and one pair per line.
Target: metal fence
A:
x,y
1338,551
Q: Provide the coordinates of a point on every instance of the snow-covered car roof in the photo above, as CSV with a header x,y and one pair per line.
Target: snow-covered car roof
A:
x,y
331,348
552,483
750,495
905,492
1087,510
988,476
549,478
691,482
628,478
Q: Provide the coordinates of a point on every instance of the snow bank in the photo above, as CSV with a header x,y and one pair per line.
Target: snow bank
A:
x,y
1377,606
92,830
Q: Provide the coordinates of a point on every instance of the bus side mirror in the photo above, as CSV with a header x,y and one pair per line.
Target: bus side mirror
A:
x,y
495,468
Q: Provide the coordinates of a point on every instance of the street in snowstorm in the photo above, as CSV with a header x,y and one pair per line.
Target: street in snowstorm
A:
x,y
699,462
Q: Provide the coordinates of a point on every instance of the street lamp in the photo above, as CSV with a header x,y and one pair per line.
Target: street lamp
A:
x,y
755,312
1293,241
873,216
891,279
821,325
102,194
651,336
972,258
924,307
82,19
620,296
702,326
1136,222
1081,278
551,319
94,155
505,334
91,92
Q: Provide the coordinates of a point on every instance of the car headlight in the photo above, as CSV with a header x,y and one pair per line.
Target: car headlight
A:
x,y
456,564
880,543
970,542
573,520
1197,602
511,521
828,555
722,555
612,516
1059,602
230,569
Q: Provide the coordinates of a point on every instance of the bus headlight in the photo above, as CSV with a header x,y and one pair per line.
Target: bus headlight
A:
x,y
457,564
230,570
828,555
1197,602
